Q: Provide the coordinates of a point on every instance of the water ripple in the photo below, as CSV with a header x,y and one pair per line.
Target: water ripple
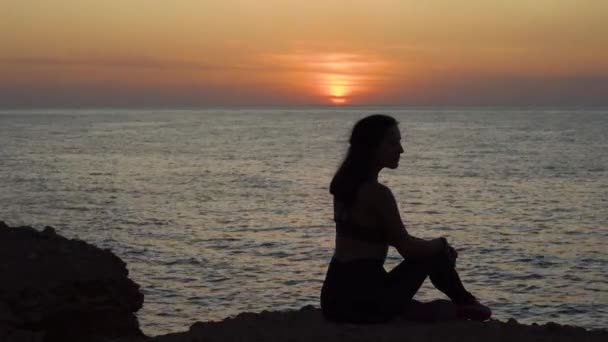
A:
x,y
222,211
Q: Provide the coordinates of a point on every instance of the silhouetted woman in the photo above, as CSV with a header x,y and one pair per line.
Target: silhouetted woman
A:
x,y
357,288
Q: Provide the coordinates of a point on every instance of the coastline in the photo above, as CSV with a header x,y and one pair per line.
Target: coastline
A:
x,y
59,289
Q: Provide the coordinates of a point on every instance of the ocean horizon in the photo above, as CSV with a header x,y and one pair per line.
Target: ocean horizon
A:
x,y
218,211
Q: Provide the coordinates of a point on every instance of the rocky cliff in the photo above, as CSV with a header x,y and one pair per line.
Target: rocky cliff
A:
x,y
58,289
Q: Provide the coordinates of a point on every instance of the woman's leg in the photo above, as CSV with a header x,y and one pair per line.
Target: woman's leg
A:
x,y
408,276
352,292
404,281
445,278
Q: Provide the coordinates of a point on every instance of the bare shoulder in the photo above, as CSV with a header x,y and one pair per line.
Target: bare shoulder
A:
x,y
376,192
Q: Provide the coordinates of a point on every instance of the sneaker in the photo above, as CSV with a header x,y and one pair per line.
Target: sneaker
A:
x,y
474,310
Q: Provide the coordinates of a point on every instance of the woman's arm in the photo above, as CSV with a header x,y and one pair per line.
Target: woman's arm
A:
x,y
407,245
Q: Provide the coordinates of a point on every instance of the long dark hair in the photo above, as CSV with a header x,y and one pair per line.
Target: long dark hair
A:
x,y
356,168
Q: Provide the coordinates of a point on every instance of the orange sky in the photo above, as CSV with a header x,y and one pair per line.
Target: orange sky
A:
x,y
314,52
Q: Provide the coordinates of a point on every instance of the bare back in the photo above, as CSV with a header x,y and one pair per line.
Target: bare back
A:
x,y
360,213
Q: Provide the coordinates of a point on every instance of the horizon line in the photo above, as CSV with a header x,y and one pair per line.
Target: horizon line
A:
x,y
300,106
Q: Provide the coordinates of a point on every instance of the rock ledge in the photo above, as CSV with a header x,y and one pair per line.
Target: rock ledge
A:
x,y
58,289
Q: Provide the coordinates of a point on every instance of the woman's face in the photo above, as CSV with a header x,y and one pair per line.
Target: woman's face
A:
x,y
390,149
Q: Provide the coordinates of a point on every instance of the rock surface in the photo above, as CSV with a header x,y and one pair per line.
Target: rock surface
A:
x,y
308,324
57,289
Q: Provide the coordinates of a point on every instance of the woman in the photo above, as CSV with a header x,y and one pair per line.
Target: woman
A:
x,y
357,289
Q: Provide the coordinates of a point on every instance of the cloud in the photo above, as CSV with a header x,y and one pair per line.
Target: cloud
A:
x,y
256,63
364,79
135,62
107,94
574,90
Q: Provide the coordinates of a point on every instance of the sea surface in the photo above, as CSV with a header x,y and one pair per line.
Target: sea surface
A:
x,y
220,211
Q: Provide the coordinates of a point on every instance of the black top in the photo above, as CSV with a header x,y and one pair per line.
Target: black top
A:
x,y
349,229
359,232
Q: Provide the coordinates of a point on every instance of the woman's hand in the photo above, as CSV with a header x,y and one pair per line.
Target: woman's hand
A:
x,y
421,248
452,255
443,247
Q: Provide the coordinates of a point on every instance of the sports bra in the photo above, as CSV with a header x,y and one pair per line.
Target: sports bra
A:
x,y
346,228
361,233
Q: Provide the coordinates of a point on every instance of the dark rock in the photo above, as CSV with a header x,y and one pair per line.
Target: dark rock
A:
x,y
62,289
49,231
56,289
308,324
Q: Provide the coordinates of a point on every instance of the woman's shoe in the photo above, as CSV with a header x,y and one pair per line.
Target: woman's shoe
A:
x,y
474,310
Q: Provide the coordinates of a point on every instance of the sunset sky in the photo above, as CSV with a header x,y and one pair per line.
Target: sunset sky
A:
x,y
80,53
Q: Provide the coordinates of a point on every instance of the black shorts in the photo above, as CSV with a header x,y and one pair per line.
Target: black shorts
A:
x,y
361,291
358,292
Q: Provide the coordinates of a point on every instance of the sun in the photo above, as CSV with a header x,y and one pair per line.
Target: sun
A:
x,y
337,87
336,78
338,100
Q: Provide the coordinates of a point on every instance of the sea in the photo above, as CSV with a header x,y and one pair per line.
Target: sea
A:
x,y
225,210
